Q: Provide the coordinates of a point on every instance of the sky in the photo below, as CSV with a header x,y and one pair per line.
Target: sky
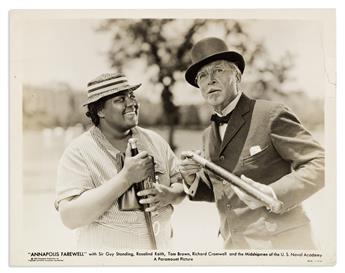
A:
x,y
71,51
304,41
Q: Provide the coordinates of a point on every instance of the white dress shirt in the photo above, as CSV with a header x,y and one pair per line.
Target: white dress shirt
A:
x,y
227,110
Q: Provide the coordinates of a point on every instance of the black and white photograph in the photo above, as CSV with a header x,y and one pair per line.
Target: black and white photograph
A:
x,y
172,137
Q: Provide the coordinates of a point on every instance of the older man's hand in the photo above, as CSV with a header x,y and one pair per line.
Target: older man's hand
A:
x,y
188,167
250,201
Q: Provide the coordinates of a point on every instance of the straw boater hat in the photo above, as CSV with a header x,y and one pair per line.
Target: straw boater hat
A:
x,y
108,84
208,50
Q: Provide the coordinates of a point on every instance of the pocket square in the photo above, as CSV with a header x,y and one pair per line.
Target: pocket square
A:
x,y
254,150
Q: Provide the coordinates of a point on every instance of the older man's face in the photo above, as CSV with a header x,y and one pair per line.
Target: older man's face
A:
x,y
120,112
217,82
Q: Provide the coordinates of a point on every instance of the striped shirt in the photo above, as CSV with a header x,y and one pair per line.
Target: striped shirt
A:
x,y
85,166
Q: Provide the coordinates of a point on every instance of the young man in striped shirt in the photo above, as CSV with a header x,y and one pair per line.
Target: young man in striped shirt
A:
x,y
96,174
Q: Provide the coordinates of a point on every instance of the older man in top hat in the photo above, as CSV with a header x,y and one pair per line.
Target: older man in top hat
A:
x,y
96,174
261,141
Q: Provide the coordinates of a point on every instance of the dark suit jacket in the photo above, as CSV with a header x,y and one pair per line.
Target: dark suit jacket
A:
x,y
290,161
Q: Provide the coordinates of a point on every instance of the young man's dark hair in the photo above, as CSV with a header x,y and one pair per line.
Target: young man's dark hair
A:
x,y
94,107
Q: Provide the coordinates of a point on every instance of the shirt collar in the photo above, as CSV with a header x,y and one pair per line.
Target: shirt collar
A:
x,y
231,106
101,137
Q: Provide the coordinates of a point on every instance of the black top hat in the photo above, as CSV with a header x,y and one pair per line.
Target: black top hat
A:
x,y
209,50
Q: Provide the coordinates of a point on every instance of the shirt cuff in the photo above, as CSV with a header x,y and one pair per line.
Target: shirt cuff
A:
x,y
190,190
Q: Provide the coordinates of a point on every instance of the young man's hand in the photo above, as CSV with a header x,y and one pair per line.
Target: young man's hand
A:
x,y
137,168
160,196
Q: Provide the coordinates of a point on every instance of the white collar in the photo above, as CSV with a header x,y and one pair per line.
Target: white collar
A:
x,y
231,106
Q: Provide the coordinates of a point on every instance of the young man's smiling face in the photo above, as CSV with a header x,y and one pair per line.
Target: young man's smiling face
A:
x,y
120,112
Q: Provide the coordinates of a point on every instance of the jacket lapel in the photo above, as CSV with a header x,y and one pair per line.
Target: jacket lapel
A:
x,y
236,121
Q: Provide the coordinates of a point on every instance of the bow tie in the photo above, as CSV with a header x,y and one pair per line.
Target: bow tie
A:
x,y
220,120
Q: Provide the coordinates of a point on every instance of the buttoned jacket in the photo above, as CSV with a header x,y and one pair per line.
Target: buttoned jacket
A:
x,y
289,160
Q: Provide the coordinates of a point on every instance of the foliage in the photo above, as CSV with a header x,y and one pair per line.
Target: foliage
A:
x,y
163,45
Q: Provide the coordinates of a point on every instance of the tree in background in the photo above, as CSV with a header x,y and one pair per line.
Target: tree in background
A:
x,y
160,47
164,44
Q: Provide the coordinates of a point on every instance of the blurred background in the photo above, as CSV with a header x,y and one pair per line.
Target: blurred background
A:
x,y
283,63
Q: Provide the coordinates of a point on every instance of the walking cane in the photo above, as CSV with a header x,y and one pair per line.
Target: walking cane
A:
x,y
271,203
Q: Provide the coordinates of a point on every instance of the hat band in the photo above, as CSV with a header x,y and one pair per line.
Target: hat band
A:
x,y
106,85
105,93
95,87
108,88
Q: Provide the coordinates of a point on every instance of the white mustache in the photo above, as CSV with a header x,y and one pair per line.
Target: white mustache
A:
x,y
211,90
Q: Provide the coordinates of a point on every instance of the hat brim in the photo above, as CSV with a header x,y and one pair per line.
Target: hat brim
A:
x,y
111,92
231,56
